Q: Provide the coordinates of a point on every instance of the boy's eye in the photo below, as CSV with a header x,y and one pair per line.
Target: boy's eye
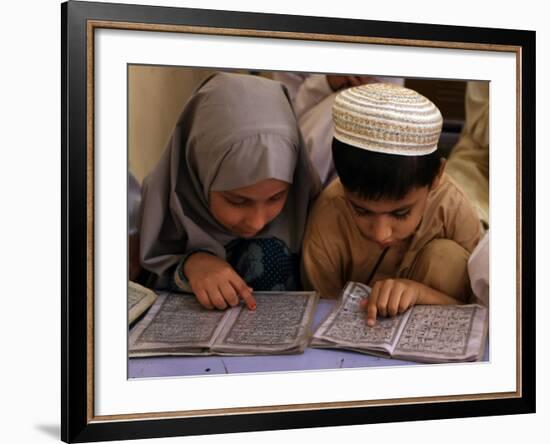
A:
x,y
277,196
360,211
401,214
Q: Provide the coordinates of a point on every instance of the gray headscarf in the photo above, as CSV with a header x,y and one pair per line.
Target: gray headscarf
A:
x,y
234,131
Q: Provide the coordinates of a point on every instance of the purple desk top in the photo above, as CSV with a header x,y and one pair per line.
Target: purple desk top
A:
x,y
311,359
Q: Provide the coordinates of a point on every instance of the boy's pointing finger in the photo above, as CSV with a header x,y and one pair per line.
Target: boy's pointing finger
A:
x,y
371,309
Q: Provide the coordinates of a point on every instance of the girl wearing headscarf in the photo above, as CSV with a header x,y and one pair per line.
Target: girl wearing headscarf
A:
x,y
225,208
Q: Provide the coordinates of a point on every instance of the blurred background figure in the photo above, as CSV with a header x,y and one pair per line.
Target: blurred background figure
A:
x,y
469,160
134,201
312,96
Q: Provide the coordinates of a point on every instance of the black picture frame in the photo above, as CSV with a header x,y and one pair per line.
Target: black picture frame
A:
x,y
78,423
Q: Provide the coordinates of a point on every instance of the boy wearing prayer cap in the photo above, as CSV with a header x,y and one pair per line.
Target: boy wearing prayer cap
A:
x,y
392,219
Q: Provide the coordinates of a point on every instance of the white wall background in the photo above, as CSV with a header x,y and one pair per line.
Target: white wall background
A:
x,y
30,228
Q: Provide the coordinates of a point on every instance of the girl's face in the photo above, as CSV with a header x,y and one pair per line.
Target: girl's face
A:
x,y
245,211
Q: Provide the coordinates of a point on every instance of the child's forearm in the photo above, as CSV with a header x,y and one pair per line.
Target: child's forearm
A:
x,y
430,296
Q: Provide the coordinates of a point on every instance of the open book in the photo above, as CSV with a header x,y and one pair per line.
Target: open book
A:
x,y
424,333
178,325
140,299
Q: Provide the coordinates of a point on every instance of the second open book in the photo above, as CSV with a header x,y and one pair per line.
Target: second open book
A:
x,y
425,333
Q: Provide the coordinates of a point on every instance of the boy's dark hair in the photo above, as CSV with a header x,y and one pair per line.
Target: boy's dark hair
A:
x,y
374,176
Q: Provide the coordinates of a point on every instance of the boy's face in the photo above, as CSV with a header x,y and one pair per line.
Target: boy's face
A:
x,y
389,221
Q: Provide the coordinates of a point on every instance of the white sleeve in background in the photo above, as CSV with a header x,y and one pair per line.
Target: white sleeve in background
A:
x,y
312,91
317,130
307,90
478,269
292,80
395,80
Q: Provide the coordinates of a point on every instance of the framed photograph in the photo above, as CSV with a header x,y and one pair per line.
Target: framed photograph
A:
x,y
127,73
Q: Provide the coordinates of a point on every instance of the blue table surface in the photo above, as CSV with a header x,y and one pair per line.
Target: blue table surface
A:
x,y
311,359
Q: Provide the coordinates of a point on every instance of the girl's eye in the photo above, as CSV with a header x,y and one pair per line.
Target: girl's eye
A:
x,y
236,202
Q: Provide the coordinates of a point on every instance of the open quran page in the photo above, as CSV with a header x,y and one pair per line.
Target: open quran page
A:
x,y
139,300
280,324
176,325
443,333
346,326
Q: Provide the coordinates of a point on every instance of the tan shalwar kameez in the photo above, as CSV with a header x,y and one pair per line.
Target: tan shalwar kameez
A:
x,y
335,251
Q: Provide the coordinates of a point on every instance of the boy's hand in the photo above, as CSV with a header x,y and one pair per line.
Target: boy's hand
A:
x,y
390,297
215,283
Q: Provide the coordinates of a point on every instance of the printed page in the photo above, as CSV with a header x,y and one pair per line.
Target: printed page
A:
x,y
140,299
176,324
280,324
444,333
346,326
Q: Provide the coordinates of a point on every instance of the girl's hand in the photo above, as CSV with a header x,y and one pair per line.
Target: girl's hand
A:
x,y
390,297
215,283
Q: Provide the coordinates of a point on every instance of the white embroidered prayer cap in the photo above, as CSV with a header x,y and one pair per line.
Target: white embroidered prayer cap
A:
x,y
387,118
